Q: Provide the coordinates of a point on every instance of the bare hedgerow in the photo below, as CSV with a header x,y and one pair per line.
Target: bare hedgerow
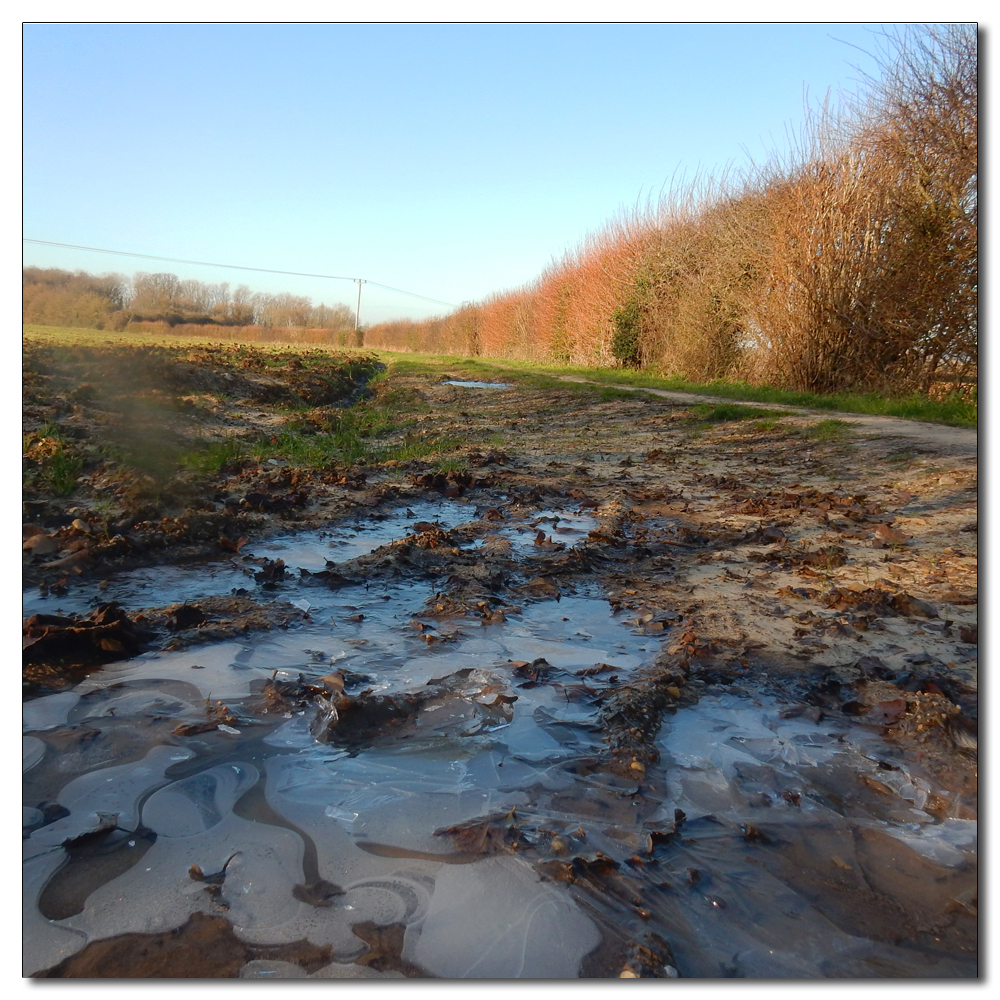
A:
x,y
872,273
923,123
850,264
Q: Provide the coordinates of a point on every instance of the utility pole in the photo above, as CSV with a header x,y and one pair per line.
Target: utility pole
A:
x,y
357,314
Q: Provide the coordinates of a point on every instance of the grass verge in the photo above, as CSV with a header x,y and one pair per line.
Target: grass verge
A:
x,y
955,411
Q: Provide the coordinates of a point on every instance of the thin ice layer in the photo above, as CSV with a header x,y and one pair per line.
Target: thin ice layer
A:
x,y
48,711
495,919
111,791
199,802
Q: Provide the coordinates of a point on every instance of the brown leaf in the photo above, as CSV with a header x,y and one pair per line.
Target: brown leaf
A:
x,y
532,671
889,536
603,538
41,545
73,561
184,616
194,728
907,604
875,785
229,545
598,668
333,682
493,835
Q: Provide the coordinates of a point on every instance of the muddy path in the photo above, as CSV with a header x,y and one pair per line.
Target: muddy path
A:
x,y
529,680
946,440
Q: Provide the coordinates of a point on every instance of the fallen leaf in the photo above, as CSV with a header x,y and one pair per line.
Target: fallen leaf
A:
x,y
889,536
907,604
195,728
41,545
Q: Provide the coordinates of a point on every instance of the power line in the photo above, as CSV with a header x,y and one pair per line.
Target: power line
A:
x,y
237,267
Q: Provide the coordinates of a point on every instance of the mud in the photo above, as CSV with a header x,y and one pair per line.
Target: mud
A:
x,y
611,692
109,429
203,948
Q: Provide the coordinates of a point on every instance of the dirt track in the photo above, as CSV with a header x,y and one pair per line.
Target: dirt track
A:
x,y
832,567
948,440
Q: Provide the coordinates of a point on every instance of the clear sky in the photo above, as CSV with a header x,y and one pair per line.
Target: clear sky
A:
x,y
447,160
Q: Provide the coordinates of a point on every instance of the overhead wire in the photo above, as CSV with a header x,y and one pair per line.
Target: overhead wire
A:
x,y
236,267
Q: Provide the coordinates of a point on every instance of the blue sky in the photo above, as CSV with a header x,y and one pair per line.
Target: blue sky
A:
x,y
448,160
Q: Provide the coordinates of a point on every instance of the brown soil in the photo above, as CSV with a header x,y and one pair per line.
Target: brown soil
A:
x,y
59,651
203,948
128,420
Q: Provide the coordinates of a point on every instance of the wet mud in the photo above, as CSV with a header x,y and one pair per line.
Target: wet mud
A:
x,y
626,693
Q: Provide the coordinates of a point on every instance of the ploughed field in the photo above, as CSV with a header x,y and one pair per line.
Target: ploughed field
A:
x,y
340,670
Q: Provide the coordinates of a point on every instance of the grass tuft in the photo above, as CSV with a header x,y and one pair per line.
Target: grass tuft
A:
x,y
723,412
829,430
50,462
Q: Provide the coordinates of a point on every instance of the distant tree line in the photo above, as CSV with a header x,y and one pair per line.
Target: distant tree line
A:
x,y
53,297
851,264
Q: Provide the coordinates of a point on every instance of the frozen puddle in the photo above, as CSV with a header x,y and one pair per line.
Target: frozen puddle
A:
x,y
313,550
545,529
478,385
460,801
810,851
273,808
309,550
